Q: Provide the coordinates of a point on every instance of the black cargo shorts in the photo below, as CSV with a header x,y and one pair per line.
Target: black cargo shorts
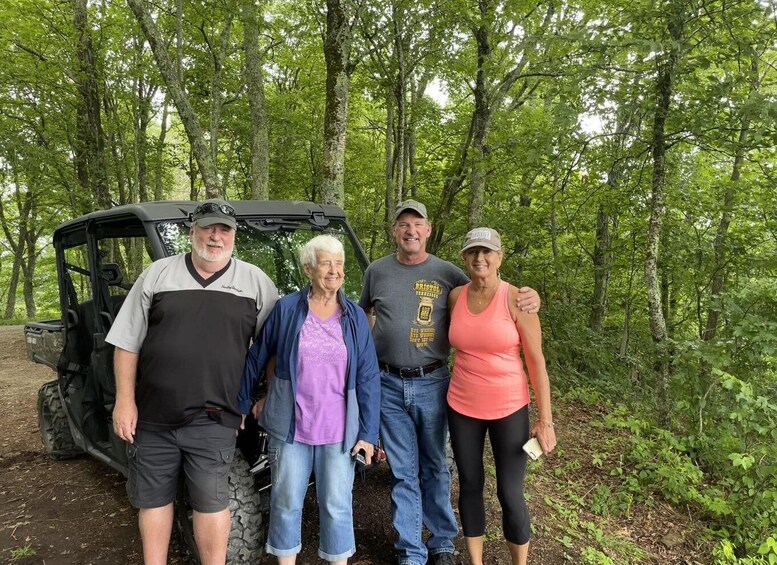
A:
x,y
202,449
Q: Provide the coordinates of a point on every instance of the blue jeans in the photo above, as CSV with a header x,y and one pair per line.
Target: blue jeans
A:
x,y
413,427
290,469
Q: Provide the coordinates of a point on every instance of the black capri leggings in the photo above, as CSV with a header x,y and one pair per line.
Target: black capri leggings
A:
x,y
508,434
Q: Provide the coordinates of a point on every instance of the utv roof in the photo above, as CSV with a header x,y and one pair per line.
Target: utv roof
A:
x,y
180,209
130,219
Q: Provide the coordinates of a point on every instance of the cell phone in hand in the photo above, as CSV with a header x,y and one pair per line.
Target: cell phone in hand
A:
x,y
360,459
533,448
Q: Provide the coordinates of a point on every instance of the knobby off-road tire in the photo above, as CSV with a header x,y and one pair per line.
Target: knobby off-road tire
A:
x,y
54,428
248,509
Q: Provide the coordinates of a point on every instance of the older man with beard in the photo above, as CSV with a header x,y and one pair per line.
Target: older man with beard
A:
x,y
181,339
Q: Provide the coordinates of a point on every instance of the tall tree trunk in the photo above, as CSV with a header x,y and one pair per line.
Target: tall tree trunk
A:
x,y
337,52
28,237
605,219
453,185
479,124
260,143
90,127
24,201
28,266
400,99
664,85
627,301
490,93
114,149
601,261
481,118
391,195
170,75
179,40
216,95
142,119
720,244
13,287
193,192
17,247
721,234
521,247
624,346
160,155
554,218
666,294
416,95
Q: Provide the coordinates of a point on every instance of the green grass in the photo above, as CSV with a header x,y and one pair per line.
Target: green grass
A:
x,y
19,553
16,321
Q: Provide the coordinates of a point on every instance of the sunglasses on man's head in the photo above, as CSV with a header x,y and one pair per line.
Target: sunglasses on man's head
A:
x,y
210,207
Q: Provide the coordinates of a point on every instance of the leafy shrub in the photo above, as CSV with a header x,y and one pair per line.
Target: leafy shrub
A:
x,y
724,554
748,467
591,556
738,491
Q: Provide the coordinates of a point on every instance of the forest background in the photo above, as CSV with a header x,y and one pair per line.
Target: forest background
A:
x,y
624,149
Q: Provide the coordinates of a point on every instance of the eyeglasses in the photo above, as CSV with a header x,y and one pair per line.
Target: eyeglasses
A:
x,y
210,207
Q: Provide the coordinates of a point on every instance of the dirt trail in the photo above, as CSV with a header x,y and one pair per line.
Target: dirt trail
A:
x,y
68,512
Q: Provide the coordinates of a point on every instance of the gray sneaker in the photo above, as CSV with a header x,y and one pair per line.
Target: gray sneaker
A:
x,y
445,558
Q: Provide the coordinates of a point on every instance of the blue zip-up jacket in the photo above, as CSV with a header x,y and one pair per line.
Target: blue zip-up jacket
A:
x,y
280,335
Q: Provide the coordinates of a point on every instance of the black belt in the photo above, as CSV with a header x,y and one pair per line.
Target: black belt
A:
x,y
411,372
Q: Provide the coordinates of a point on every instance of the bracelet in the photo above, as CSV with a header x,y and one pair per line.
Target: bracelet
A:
x,y
549,424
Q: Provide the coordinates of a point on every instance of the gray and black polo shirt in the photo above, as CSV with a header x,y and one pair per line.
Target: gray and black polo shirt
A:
x,y
192,335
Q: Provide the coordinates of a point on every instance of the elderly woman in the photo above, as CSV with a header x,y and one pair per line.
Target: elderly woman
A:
x,y
323,403
489,393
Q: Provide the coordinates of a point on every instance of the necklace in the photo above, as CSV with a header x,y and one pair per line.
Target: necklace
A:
x,y
484,296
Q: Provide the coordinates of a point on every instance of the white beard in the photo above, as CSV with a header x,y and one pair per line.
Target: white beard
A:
x,y
210,254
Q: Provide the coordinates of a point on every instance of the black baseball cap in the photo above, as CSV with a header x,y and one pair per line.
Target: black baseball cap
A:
x,y
214,211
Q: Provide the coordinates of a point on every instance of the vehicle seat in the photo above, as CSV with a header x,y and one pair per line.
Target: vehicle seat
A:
x,y
101,359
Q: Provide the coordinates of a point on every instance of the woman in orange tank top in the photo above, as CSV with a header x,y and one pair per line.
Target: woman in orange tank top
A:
x,y
489,393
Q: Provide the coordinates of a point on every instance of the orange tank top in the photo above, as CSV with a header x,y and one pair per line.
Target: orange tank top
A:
x,y
488,380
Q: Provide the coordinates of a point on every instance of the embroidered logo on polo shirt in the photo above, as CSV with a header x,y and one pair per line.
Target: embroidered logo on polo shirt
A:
x,y
230,287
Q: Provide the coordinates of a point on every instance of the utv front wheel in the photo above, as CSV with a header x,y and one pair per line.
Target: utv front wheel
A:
x,y
248,509
54,428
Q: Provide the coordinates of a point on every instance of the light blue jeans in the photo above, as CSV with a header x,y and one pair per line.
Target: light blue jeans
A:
x,y
291,466
414,427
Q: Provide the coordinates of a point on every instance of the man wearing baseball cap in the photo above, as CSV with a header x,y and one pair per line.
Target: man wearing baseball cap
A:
x,y
407,293
181,339
214,211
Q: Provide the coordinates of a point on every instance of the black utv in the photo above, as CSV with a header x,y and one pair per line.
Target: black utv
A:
x,y
98,257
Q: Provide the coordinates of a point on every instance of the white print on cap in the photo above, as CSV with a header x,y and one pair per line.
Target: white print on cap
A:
x,y
480,234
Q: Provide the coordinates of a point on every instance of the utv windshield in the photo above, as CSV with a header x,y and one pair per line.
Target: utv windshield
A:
x,y
273,247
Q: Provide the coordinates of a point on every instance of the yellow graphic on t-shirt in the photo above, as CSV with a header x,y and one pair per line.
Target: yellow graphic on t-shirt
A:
x,y
424,314
427,293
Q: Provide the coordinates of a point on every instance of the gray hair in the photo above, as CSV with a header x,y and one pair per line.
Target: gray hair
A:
x,y
320,244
